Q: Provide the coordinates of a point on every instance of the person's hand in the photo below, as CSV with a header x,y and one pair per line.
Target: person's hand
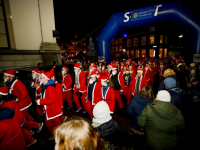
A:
x,y
80,93
76,93
36,85
121,93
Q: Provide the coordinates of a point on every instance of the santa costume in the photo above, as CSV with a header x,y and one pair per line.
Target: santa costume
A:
x,y
50,100
79,88
67,86
147,72
118,82
127,80
93,94
161,69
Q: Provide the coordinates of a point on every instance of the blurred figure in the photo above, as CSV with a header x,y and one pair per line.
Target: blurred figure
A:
x,y
161,120
78,134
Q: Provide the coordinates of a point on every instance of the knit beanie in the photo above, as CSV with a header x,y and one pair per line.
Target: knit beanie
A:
x,y
170,82
163,95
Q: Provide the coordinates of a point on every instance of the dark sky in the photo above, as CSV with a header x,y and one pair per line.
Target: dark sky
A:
x,y
74,17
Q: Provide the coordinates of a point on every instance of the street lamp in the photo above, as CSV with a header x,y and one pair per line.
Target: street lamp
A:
x,y
180,36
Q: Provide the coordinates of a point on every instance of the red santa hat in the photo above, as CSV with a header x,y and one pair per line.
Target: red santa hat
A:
x,y
127,70
4,90
35,70
93,73
10,73
47,75
109,65
114,67
94,66
124,67
194,81
131,66
104,65
40,72
65,67
104,78
77,65
96,70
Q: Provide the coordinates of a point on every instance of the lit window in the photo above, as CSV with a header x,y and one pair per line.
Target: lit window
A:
x,y
143,40
151,52
132,52
143,52
166,39
165,52
128,53
151,39
128,42
120,48
120,41
73,43
116,48
160,52
137,53
116,41
161,39
135,41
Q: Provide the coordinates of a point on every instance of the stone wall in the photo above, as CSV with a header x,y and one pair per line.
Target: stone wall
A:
x,y
19,60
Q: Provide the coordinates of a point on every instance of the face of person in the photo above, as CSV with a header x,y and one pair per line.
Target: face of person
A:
x,y
114,71
6,78
103,83
127,72
139,74
33,75
43,80
93,78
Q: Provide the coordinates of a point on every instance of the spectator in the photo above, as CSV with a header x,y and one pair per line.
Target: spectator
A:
x,y
103,122
181,77
168,73
160,121
136,106
77,133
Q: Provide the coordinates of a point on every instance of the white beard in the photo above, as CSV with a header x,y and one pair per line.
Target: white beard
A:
x,y
91,81
5,80
34,76
114,73
63,73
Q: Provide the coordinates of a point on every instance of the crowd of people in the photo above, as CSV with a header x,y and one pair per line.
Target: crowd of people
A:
x,y
97,89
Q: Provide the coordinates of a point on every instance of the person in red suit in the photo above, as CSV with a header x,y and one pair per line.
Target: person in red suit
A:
x,y
161,69
50,100
147,71
7,100
18,89
11,136
79,88
118,83
35,77
104,71
67,86
138,83
127,78
93,93
108,93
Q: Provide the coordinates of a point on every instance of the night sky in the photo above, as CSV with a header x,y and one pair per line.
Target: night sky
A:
x,y
83,17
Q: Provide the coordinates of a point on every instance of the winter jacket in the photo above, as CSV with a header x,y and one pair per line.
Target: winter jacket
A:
x,y
160,121
162,85
135,107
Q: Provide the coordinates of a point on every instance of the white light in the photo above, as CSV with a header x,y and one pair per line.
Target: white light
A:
x,y
124,50
154,46
180,36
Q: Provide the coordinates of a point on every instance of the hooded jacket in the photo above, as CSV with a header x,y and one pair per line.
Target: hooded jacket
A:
x,y
135,107
161,120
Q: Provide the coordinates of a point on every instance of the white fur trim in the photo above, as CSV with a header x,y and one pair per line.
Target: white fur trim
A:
x,y
25,107
9,74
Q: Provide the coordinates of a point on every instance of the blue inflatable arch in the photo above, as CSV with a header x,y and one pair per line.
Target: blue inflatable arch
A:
x,y
144,16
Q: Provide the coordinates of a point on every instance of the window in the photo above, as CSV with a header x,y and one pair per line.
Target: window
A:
x,y
143,52
152,29
120,41
160,52
116,41
120,48
151,52
151,39
3,29
166,39
135,41
165,52
132,52
161,39
143,40
116,48
128,42
128,53
113,49
137,53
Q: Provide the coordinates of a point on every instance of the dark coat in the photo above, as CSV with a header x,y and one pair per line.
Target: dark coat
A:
x,y
160,121
135,107
162,85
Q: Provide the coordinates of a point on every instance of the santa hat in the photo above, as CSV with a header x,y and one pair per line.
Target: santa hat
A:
x,y
52,72
99,63
163,95
64,67
131,66
104,65
194,81
127,70
93,73
40,72
35,70
96,70
114,67
77,65
47,75
101,112
139,69
4,90
10,73
94,66
117,61
104,78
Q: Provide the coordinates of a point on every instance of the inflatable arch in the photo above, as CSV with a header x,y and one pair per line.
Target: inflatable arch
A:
x,y
144,16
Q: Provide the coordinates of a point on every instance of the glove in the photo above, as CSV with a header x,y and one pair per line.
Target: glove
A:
x,y
76,93
80,94
121,93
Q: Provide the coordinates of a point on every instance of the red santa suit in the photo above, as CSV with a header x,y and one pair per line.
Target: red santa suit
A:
x,y
147,74
118,82
93,95
52,105
11,136
67,86
142,83
161,72
79,86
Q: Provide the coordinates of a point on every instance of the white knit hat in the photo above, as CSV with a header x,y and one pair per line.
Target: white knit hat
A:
x,y
163,95
101,110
